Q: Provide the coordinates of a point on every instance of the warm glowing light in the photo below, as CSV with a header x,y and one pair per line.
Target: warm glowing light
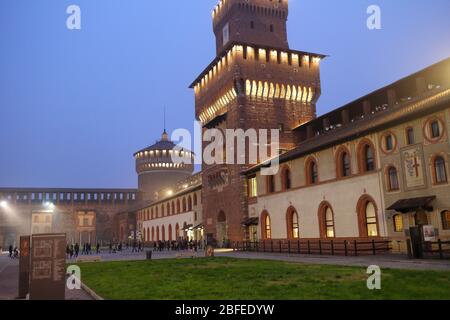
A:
x,y
4,204
169,193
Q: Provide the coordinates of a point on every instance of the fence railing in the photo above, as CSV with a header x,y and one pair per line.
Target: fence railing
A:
x,y
317,247
438,248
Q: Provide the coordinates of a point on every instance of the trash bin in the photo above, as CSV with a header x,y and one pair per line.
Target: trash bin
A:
x,y
149,255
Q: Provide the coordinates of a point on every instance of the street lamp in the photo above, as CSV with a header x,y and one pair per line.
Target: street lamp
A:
x,y
4,204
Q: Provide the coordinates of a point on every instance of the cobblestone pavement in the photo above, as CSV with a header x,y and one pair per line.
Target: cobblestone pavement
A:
x,y
383,261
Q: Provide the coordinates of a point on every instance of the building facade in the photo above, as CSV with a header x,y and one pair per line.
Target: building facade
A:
x,y
375,168
175,215
255,82
85,215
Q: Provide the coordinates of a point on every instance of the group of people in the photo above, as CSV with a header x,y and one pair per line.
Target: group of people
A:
x,y
13,252
179,245
73,251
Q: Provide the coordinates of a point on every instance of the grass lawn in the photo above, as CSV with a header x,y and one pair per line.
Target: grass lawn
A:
x,y
229,279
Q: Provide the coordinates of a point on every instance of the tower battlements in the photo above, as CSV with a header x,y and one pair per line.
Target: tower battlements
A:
x,y
156,169
257,73
251,21
278,8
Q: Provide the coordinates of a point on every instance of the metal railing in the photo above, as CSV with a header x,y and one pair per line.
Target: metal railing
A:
x,y
438,248
317,247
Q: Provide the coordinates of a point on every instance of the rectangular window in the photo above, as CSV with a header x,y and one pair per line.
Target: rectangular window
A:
x,y
446,220
252,187
226,34
398,223
435,130
410,139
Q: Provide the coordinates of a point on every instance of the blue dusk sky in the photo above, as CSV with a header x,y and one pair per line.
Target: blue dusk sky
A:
x,y
75,105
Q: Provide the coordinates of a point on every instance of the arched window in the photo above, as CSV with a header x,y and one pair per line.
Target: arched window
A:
x,y
163,233
266,226
371,220
445,215
162,210
170,232
153,216
189,203
195,199
184,205
293,229
366,155
344,164
286,179
168,209
393,184
312,172
148,234
153,233
369,160
326,221
173,207
178,206
156,212
145,235
440,170
367,217
157,234
398,223
329,222
270,184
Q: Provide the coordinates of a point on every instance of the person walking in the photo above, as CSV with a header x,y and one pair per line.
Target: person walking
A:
x,y
10,251
77,250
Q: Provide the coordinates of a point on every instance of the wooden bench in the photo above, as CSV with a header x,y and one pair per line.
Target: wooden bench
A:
x,y
89,259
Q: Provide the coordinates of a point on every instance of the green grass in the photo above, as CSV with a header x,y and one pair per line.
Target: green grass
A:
x,y
229,279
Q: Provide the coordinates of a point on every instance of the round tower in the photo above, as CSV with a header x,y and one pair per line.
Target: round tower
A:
x,y
156,169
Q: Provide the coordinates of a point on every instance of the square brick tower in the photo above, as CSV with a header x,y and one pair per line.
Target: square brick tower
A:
x,y
255,82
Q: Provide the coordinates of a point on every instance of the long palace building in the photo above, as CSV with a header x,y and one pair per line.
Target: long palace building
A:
x,y
375,168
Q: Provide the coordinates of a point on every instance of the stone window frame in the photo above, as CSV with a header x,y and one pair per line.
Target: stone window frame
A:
x,y
383,142
427,129
387,176
362,161
340,162
266,228
286,170
310,161
323,225
433,169
290,227
361,208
